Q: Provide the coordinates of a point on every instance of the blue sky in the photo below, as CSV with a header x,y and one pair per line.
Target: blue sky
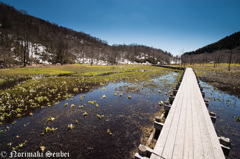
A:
x,y
171,25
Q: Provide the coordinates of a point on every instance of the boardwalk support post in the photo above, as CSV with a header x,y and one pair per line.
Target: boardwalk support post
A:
x,y
225,144
174,92
158,126
144,152
206,103
171,98
213,117
167,108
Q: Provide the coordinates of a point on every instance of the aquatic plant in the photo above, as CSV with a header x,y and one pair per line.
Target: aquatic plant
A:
x,y
42,148
50,119
85,114
238,119
70,126
160,103
46,130
100,116
80,106
65,104
72,106
129,97
109,132
104,96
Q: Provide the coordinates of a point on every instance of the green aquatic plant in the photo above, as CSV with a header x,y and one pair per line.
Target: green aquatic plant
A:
x,y
70,126
92,102
104,96
238,119
42,148
66,104
100,116
27,124
109,132
46,130
96,105
85,114
50,119
160,103
129,97
72,106
80,106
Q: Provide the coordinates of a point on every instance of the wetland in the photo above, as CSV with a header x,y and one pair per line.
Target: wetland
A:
x,y
95,112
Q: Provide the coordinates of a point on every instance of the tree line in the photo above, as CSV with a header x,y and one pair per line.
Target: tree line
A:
x,y
226,50
18,30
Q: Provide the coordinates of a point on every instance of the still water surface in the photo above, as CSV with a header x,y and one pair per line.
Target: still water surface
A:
x,y
90,137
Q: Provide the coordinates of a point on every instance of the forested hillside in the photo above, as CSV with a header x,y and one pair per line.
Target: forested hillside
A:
x,y
25,39
224,51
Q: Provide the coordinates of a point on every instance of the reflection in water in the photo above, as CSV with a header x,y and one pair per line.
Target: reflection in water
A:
x,y
227,109
90,136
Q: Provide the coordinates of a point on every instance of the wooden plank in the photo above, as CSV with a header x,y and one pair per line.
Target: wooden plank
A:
x,y
216,147
167,125
188,131
188,143
197,138
179,143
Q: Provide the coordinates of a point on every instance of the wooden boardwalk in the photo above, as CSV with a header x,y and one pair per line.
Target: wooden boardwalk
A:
x,y
188,131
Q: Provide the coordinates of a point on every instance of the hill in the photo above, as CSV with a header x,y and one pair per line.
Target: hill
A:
x,y
26,39
222,51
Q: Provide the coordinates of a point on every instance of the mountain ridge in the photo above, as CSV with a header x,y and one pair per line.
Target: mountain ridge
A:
x,y
20,31
225,50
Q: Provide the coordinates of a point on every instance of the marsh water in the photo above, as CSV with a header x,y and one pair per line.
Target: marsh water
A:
x,y
111,129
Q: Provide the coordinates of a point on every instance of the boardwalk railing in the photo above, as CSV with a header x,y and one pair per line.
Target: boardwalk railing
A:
x,y
188,131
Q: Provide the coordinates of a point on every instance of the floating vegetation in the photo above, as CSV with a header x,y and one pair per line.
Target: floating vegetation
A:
x,y
70,126
50,119
160,103
72,106
27,124
42,148
46,130
92,102
80,106
66,104
85,114
129,97
109,132
238,119
100,116
96,105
